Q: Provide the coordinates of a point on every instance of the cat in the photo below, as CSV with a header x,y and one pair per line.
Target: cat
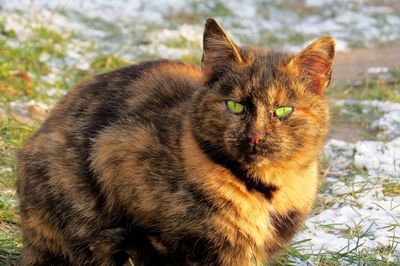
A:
x,y
168,164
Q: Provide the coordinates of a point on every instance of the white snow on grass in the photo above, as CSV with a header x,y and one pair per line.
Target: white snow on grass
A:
x,y
185,35
33,18
25,111
360,199
350,22
388,123
378,158
361,213
377,70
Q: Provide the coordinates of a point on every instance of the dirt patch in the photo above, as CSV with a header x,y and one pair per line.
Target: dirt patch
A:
x,y
346,132
354,64
351,132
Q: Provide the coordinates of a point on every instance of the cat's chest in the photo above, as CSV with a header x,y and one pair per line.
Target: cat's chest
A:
x,y
243,216
243,211
252,220
247,217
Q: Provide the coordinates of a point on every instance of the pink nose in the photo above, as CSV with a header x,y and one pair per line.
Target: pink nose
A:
x,y
255,139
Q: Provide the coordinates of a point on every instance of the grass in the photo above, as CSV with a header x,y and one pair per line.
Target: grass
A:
x,y
107,62
10,244
391,188
344,257
21,69
351,114
381,87
11,135
27,63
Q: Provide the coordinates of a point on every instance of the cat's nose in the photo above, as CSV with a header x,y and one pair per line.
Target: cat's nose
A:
x,y
254,139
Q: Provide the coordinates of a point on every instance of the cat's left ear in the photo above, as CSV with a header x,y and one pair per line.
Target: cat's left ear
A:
x,y
218,48
314,64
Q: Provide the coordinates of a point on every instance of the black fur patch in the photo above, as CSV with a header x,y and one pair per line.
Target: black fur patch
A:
x,y
201,250
216,155
286,225
200,198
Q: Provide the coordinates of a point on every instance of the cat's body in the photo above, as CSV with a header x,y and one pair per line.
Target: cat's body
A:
x,y
148,160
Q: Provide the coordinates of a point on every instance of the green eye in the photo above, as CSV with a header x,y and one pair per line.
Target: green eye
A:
x,y
234,107
283,111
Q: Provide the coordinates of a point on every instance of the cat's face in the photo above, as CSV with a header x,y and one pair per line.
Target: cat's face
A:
x,y
261,106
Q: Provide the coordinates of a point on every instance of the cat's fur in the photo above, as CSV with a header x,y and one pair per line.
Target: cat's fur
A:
x,y
148,160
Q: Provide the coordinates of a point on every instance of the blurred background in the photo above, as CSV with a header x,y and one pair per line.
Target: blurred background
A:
x,y
48,46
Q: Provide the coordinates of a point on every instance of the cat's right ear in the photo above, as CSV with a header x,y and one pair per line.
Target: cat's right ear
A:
x,y
314,64
218,48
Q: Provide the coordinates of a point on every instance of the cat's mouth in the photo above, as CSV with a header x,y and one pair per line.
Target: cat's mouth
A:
x,y
254,152
254,149
256,159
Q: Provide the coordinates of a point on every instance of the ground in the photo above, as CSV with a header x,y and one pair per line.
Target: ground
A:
x,y
48,46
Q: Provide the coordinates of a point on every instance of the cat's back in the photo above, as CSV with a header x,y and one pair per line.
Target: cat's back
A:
x,y
54,166
154,94
142,90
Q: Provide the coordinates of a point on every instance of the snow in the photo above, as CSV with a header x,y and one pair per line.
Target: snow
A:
x,y
184,33
362,213
347,21
27,110
370,215
383,158
377,70
389,121
361,217
5,170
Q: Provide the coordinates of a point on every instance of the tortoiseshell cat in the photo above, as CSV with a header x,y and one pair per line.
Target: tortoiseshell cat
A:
x,y
172,165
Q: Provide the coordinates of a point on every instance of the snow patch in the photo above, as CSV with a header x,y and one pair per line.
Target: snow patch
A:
x,y
377,70
388,123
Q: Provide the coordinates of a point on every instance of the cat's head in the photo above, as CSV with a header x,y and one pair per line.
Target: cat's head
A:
x,y
261,106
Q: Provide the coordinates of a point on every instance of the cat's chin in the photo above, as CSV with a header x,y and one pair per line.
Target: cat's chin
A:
x,y
257,160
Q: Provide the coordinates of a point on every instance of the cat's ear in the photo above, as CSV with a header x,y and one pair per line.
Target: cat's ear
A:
x,y
314,64
218,48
